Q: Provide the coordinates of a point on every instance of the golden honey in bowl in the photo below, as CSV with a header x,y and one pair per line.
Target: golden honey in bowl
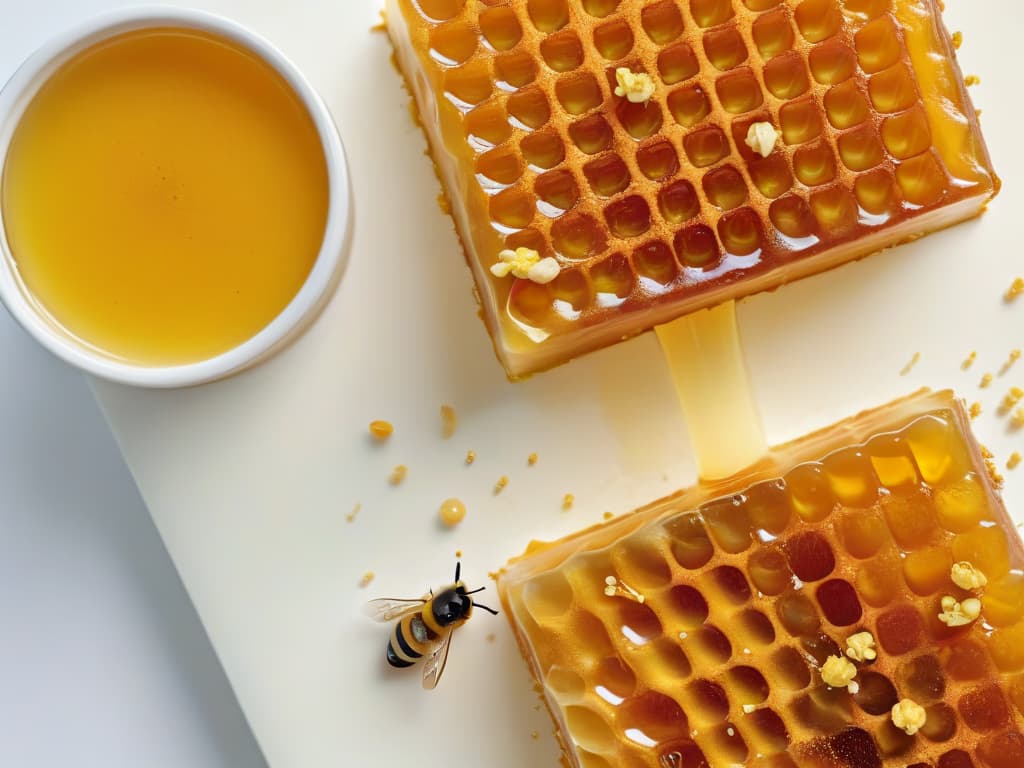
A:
x,y
165,196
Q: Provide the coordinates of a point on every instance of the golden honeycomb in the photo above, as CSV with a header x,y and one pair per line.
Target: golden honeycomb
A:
x,y
692,633
655,209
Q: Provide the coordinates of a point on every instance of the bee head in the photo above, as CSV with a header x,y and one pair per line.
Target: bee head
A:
x,y
452,605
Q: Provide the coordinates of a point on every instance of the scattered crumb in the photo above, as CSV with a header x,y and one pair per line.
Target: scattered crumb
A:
x,y
972,80
985,452
609,515
382,25
1014,461
398,474
491,637
975,410
1013,358
969,361
452,512
531,459
470,457
368,577
1014,396
381,430
958,39
910,366
449,421
442,203
500,485
567,501
351,516
993,473
535,735
749,708
1016,289
1017,422
458,553
986,380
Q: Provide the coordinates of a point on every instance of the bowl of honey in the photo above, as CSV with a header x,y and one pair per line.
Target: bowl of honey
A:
x,y
174,195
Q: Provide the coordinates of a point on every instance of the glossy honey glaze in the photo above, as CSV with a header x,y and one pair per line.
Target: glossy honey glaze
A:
x,y
165,196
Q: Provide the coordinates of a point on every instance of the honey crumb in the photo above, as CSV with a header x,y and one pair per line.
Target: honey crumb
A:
x,y
1015,290
381,430
1014,396
966,576
909,716
500,485
967,363
567,501
986,380
449,421
958,39
608,515
972,80
985,452
861,647
470,457
367,579
531,460
452,512
1018,418
351,516
398,474
910,366
956,614
1014,461
635,87
1013,358
975,410
838,672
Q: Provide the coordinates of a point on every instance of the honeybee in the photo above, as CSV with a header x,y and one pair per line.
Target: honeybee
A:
x,y
424,626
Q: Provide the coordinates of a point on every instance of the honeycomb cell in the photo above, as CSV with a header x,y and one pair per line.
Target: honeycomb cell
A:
x,y
892,741
839,603
728,524
800,121
731,584
639,120
499,168
725,48
832,62
846,106
578,94
658,161
708,702
613,39
500,27
921,679
512,209
567,684
921,179
770,572
488,125
965,660
563,51
653,714
835,208
860,148
697,247
773,33
911,519
820,647
786,77
792,218
591,134
739,91
591,731
528,109
876,192
690,544
940,724
453,43
798,615
469,85
791,668
986,548
710,13
706,146
879,581
542,150
440,10
1002,750
768,735
530,304
711,645
725,188
656,267
677,63
557,192
662,21
862,532
767,508
613,281
755,628
761,5
740,232
527,238
984,709
514,70
907,134
866,10
810,494
814,164
689,105
878,45
548,15
570,293
577,236
628,217
927,571
955,758
818,19
899,630
607,175
893,462
1002,600
678,202
687,606
961,505
729,744
615,677
876,694
893,90
600,8
637,622
548,597
852,480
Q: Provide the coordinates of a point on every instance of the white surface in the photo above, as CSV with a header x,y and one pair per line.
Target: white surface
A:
x,y
102,657
249,480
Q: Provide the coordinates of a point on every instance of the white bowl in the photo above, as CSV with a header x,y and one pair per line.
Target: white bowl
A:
x,y
304,307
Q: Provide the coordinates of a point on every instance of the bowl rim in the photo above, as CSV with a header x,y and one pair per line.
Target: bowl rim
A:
x,y
22,87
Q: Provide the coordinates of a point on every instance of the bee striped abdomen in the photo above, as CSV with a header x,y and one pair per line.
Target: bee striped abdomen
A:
x,y
409,641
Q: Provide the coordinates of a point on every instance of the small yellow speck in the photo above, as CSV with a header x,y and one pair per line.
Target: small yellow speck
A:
x,y
1015,290
567,501
1014,461
500,485
381,430
838,672
909,716
609,515
1013,358
975,410
470,457
971,80
491,637
993,473
958,39
966,576
531,459
985,452
351,516
861,647
986,380
534,735
1014,396
449,421
969,361
452,512
1018,418
398,474
368,577
910,366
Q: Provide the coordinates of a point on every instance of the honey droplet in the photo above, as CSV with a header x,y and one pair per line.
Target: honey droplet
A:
x,y
452,512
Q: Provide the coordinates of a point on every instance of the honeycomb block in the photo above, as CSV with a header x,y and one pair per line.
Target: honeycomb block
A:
x,y
693,633
655,209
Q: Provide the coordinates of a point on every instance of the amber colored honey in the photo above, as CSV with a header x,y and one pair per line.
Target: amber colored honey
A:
x,y
165,196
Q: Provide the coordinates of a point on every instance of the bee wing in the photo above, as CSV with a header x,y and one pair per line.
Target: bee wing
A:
x,y
390,608
434,666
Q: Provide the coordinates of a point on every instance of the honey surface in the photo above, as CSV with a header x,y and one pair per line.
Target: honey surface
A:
x,y
694,637
656,209
165,196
